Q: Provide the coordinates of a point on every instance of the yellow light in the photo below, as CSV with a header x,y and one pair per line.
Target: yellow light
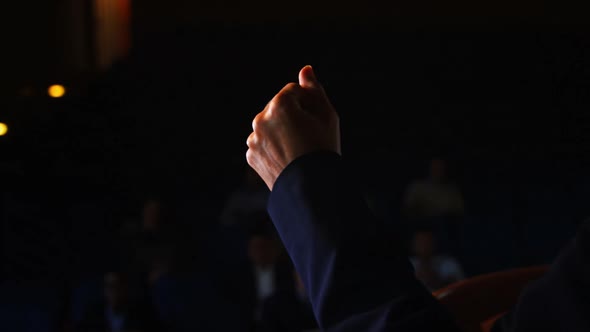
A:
x,y
3,129
56,91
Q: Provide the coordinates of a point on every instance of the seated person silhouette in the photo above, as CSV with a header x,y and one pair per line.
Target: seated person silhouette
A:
x,y
434,196
436,201
269,268
118,311
251,196
433,269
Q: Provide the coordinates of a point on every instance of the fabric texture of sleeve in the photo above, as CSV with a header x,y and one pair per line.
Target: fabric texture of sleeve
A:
x,y
358,278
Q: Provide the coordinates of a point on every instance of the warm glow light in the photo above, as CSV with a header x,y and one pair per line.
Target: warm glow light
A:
x,y
3,129
56,91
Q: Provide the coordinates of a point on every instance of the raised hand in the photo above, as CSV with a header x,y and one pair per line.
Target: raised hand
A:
x,y
299,120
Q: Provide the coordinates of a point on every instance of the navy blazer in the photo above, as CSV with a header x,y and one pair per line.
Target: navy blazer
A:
x,y
359,279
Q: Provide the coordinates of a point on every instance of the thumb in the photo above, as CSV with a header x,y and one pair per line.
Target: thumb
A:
x,y
317,99
308,80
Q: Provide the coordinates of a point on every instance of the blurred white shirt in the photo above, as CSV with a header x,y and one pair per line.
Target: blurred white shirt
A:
x,y
265,282
446,267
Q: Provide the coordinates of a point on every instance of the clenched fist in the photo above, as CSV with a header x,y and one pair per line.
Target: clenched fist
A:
x,y
299,119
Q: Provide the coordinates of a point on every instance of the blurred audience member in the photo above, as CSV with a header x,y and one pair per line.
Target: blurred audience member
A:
x,y
155,245
251,196
270,269
435,270
119,311
289,310
434,196
438,203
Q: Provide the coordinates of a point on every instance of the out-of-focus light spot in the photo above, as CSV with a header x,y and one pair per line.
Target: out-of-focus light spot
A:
x,y
3,129
56,91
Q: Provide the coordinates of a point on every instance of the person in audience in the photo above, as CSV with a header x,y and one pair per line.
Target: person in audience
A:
x,y
289,310
434,196
119,310
155,244
250,197
433,269
438,203
269,267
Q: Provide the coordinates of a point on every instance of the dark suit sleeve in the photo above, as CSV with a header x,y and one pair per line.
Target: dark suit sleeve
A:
x,y
357,278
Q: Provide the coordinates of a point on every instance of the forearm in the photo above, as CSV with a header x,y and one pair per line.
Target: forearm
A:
x,y
357,278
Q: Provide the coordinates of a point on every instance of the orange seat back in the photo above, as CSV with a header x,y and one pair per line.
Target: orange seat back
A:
x,y
477,302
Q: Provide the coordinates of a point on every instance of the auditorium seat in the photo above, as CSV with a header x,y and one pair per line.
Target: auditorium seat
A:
x,y
548,222
84,293
192,303
478,301
488,234
489,244
30,306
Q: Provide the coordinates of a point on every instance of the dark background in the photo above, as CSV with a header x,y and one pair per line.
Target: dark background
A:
x,y
499,88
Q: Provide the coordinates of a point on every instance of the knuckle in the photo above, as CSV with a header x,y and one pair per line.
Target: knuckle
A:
x,y
273,104
291,87
256,122
282,100
289,91
251,140
250,157
276,106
